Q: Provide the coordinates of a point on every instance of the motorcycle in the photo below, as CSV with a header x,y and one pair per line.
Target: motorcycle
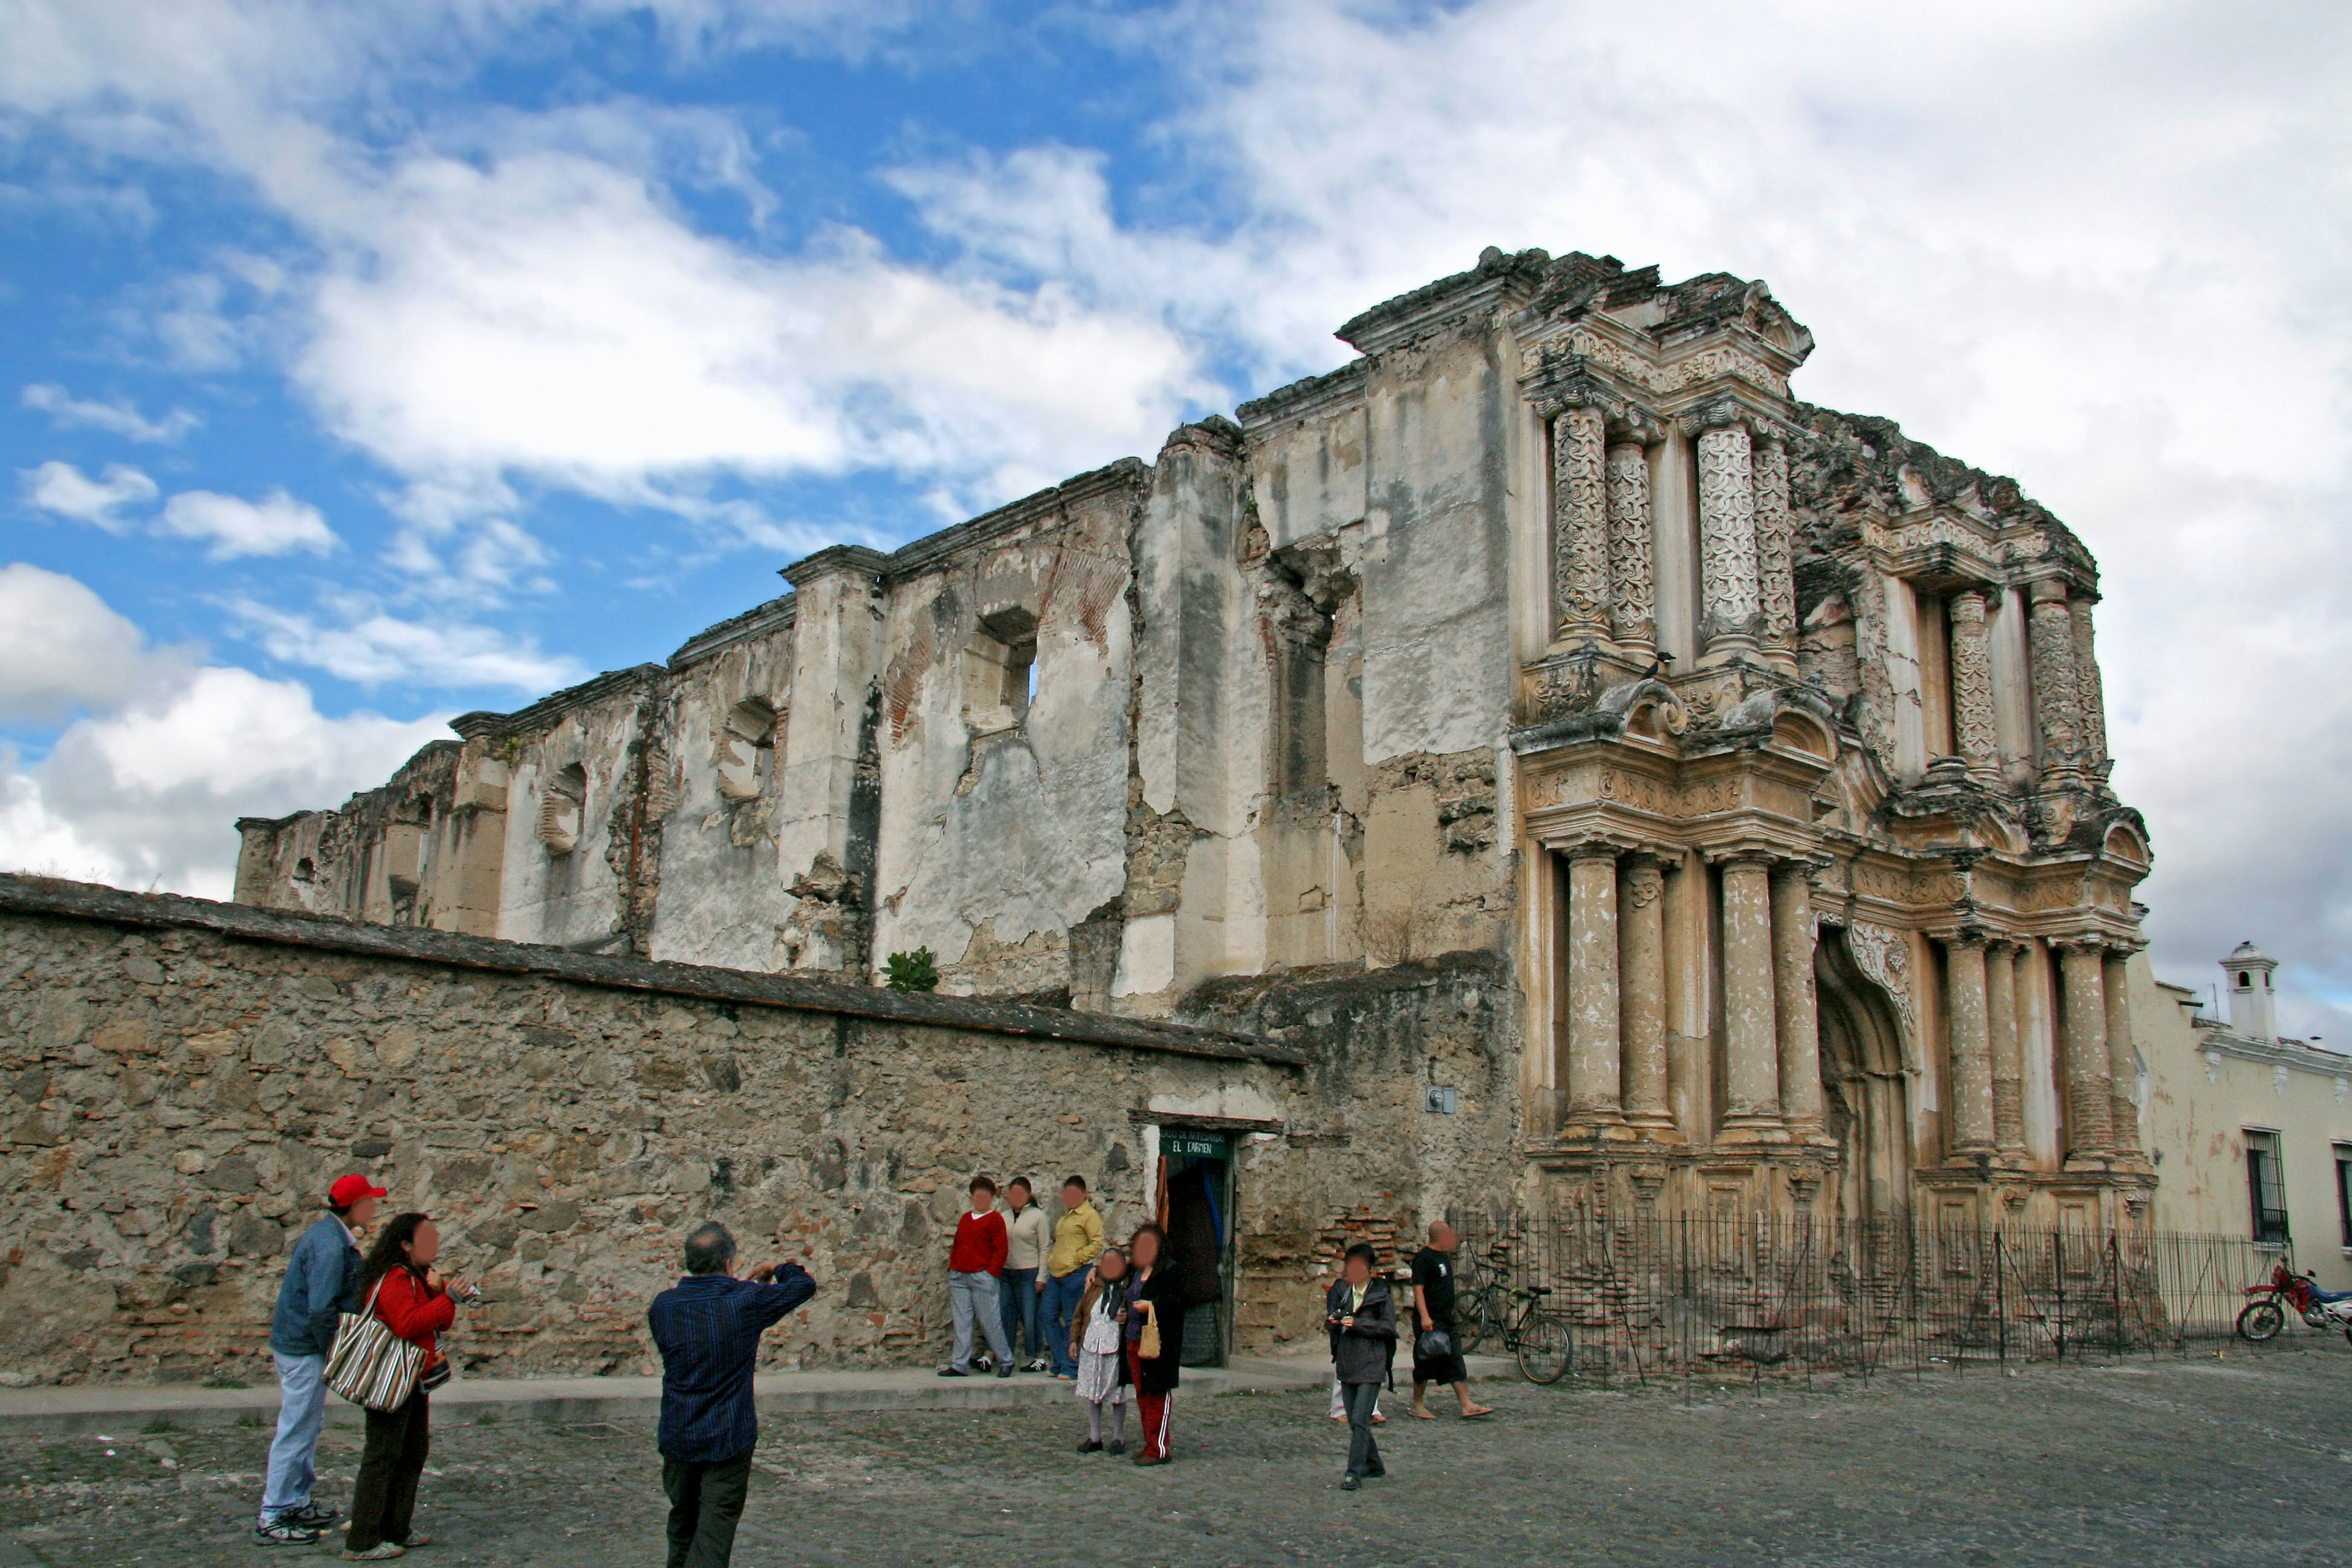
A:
x,y
2266,1315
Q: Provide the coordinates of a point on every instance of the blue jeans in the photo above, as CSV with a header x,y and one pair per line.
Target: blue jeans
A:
x,y
301,1412
1063,1293
971,1298
1016,1297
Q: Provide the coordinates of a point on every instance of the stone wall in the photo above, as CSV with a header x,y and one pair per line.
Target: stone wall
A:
x,y
186,1076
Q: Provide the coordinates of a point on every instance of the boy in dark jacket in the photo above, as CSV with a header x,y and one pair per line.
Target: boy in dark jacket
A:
x,y
1363,1326
321,1284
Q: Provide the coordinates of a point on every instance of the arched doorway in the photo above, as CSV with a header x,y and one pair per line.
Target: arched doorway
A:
x,y
1866,1094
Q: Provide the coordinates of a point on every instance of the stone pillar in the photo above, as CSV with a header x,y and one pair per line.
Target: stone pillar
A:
x,y
1642,987
1794,932
1965,1011
2057,705
1751,1021
826,779
1632,540
1728,605
2090,693
1974,734
2008,1049
2122,1066
2089,1115
1776,553
1580,524
1592,1001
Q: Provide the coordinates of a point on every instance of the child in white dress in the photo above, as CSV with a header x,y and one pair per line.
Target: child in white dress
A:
x,y
1097,1341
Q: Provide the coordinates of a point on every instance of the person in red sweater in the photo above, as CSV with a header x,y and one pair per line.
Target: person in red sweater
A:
x,y
975,1263
403,1290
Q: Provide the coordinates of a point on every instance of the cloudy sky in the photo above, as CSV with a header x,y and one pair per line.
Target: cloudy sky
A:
x,y
362,365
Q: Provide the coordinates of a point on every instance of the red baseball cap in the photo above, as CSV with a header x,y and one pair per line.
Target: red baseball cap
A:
x,y
348,1190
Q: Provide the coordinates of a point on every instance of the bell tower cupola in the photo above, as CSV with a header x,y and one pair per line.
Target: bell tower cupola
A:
x,y
2253,1001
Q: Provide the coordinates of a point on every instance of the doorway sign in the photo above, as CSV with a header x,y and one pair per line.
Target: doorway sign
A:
x,y
1197,1145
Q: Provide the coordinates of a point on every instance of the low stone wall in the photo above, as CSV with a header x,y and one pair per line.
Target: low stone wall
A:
x,y
186,1076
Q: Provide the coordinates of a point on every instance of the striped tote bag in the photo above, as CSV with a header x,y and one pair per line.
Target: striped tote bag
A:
x,y
370,1364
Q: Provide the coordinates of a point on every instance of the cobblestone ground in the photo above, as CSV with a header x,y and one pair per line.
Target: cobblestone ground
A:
x,y
2237,1460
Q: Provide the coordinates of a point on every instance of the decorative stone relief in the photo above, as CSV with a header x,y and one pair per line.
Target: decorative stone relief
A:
x,y
1973,730
1580,522
1630,543
1776,539
2088,689
1884,956
1726,530
2056,702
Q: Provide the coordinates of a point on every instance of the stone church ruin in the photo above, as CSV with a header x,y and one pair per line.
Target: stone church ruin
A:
x,y
1597,778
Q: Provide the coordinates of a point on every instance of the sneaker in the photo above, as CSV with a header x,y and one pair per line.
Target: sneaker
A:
x,y
315,1515
382,1551
1090,1446
953,1371
1347,1484
285,1530
1041,1364
1118,1445
415,1539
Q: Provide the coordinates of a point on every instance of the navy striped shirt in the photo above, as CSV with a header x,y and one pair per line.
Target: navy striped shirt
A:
x,y
708,1327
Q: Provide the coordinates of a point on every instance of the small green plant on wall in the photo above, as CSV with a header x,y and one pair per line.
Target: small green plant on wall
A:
x,y
916,971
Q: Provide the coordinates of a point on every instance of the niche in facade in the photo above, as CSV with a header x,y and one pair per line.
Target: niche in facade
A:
x,y
1000,672
563,807
747,751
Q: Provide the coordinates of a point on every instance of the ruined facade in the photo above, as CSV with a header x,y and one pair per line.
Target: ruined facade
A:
x,y
1741,763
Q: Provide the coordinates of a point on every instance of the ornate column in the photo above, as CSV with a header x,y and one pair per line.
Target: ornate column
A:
x,y
2089,692
1796,1018
2089,1115
2057,703
1580,524
1728,604
1632,536
2123,1067
1974,734
1776,553
2008,1050
1964,1013
1592,1000
1642,989
1751,1021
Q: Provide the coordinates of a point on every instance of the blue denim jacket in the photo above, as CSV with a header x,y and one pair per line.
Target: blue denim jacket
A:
x,y
322,1282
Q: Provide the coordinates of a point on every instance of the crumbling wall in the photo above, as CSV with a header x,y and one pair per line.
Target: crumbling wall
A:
x,y
186,1076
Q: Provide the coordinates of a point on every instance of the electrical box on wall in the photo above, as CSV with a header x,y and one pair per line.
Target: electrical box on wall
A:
x,y
1440,1099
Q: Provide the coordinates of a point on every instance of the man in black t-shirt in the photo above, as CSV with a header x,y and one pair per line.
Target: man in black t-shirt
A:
x,y
1432,1310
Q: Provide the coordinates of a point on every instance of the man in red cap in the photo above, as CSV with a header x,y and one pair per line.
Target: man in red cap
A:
x,y
321,1284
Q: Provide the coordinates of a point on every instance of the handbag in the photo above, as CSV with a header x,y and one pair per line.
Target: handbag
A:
x,y
1147,1344
370,1364
1435,1344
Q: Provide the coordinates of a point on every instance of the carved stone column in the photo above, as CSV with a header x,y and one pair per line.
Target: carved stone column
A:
x,y
1776,553
1632,539
1592,1000
2089,1113
1642,985
2008,1050
1751,1020
2122,1066
2089,692
1796,1017
1728,604
1974,733
1965,1010
1580,524
2057,703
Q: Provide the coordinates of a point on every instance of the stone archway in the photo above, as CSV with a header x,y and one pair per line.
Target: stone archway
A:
x,y
1866,1092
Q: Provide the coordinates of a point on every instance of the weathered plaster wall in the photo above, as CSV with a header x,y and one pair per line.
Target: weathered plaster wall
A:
x,y
188,1075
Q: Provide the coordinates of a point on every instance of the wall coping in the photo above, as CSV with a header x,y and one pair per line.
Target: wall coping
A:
x,y
53,899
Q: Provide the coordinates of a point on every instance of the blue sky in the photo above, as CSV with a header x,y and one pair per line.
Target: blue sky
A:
x,y
359,365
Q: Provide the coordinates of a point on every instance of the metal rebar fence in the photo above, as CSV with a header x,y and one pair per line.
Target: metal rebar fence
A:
x,y
1747,1296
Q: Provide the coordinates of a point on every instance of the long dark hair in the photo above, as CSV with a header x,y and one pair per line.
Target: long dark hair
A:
x,y
1160,1262
386,1255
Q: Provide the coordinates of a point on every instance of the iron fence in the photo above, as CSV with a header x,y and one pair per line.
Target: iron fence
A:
x,y
1681,1295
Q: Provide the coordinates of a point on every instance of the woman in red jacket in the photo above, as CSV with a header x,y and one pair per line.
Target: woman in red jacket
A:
x,y
416,1303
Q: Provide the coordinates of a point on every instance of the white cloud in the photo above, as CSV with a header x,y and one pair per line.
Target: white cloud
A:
x,y
66,491
372,646
61,647
117,415
277,524
149,797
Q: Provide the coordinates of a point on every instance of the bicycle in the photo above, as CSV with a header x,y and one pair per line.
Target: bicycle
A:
x,y
1542,1338
1481,1300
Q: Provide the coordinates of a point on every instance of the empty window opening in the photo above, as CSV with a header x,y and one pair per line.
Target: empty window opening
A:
x,y
2244,979
562,808
2344,1190
747,750
306,870
2266,1188
1000,680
